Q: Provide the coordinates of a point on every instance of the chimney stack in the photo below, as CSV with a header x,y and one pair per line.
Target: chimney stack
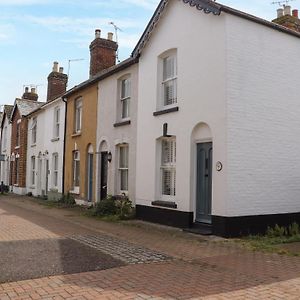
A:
x,y
287,19
103,53
57,82
295,13
30,95
280,12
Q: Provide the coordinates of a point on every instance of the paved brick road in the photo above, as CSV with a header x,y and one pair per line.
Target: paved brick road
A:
x,y
190,267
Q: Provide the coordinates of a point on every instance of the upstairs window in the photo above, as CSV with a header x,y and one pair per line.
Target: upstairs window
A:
x,y
169,82
168,167
18,133
78,115
56,122
125,92
4,140
33,131
123,168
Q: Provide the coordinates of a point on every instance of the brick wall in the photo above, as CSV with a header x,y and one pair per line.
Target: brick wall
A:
x,y
103,55
263,109
21,150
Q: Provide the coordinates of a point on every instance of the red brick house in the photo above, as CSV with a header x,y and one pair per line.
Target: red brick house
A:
x,y
19,122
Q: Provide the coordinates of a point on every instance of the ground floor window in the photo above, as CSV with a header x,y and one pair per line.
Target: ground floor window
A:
x,y
76,168
32,170
168,166
55,169
123,168
17,170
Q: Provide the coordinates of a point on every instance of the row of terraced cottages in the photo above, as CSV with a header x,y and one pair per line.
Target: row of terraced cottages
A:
x,y
199,127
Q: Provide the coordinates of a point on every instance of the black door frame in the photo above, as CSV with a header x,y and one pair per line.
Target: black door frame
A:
x,y
103,174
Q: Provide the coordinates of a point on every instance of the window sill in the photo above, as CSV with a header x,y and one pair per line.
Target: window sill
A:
x,y
76,134
122,123
17,147
166,111
75,191
33,145
55,139
167,204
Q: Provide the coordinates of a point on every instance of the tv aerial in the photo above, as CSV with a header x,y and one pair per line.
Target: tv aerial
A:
x,y
116,34
282,2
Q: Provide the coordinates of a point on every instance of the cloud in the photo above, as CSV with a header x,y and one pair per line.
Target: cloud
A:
x,y
80,26
7,33
147,4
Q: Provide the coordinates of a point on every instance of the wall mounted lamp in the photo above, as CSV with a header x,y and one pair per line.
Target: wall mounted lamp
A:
x,y
109,157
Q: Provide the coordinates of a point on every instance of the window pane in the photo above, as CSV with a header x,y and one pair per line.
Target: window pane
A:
x,y
125,108
124,180
170,92
168,67
123,157
125,88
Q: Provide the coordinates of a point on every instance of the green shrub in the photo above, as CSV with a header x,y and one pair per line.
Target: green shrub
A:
x,y
277,231
67,200
125,209
119,206
105,207
294,229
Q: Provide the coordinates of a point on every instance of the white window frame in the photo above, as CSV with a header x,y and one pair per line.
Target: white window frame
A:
x,y
4,140
55,170
17,170
32,171
76,170
168,164
125,97
78,115
56,127
123,168
166,79
34,131
18,129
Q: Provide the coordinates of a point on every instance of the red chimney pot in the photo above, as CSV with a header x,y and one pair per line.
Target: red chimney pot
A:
x,y
295,13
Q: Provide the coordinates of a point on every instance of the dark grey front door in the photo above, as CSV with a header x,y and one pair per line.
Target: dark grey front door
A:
x,y
103,179
90,176
204,182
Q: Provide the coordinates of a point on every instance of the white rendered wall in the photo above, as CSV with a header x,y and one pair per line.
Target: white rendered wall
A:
x,y
46,145
263,119
109,137
5,165
200,42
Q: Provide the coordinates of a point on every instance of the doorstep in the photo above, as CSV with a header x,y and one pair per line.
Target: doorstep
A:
x,y
200,228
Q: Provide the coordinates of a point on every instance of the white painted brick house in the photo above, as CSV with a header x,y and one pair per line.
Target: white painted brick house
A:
x,y
218,119
117,132
45,141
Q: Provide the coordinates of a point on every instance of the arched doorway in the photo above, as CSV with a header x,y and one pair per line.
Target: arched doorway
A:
x,y
202,161
90,173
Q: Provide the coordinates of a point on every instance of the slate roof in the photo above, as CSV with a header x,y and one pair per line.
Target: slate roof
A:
x,y
102,75
27,106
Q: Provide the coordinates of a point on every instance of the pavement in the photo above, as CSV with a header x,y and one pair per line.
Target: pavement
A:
x,y
49,253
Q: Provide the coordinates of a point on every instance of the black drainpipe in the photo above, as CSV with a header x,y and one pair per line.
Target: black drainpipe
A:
x,y
64,150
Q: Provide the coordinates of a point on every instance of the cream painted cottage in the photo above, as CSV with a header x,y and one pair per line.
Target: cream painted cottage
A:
x,y
218,120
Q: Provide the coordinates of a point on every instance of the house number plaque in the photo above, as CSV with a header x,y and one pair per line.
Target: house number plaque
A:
x,y
219,166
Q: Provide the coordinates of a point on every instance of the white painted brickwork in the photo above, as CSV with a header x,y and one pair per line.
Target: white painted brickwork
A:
x,y
263,119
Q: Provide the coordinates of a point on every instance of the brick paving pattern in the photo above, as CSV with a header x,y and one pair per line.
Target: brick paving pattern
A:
x,y
200,268
120,249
